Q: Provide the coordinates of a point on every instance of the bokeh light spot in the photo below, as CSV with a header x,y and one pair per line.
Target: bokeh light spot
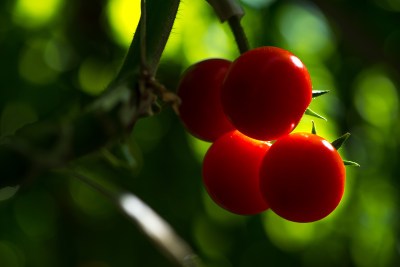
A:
x,y
32,64
94,76
11,255
374,237
220,215
305,31
287,235
59,55
198,147
32,14
148,132
376,98
123,17
211,238
211,39
35,213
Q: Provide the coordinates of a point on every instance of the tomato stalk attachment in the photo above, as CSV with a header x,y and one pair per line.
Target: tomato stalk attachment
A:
x,y
153,226
232,11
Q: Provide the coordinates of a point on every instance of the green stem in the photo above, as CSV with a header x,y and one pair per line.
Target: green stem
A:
x,y
51,144
238,32
95,186
160,17
148,221
232,11
143,35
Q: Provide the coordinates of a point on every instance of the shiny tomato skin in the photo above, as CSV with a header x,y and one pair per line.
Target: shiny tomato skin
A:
x,y
199,89
231,171
266,92
302,177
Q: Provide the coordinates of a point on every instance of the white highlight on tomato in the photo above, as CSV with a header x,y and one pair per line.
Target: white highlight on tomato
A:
x,y
297,61
328,145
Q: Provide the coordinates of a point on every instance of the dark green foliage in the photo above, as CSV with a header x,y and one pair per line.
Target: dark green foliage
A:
x,y
54,220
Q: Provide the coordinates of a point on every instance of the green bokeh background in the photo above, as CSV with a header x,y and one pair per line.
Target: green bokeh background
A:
x,y
57,55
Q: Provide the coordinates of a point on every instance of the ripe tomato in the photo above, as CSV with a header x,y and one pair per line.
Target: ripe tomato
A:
x,y
199,89
266,92
230,173
302,177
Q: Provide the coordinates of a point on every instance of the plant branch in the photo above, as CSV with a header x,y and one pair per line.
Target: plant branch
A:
x,y
238,32
51,144
92,184
148,221
143,23
232,11
160,16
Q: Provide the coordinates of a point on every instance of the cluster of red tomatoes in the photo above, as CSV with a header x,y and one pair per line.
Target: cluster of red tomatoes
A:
x,y
242,105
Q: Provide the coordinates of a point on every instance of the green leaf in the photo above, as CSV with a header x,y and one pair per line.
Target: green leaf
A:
x,y
314,114
340,141
313,129
159,20
351,163
316,93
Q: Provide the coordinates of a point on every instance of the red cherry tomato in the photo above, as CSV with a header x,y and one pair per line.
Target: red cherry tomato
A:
x,y
231,173
266,92
199,89
302,177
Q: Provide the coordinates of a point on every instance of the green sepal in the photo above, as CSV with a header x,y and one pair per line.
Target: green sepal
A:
x,y
340,141
313,129
316,93
314,114
350,163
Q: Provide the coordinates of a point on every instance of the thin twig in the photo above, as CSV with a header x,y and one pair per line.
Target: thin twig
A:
x,y
149,88
238,32
232,11
143,24
93,185
148,221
